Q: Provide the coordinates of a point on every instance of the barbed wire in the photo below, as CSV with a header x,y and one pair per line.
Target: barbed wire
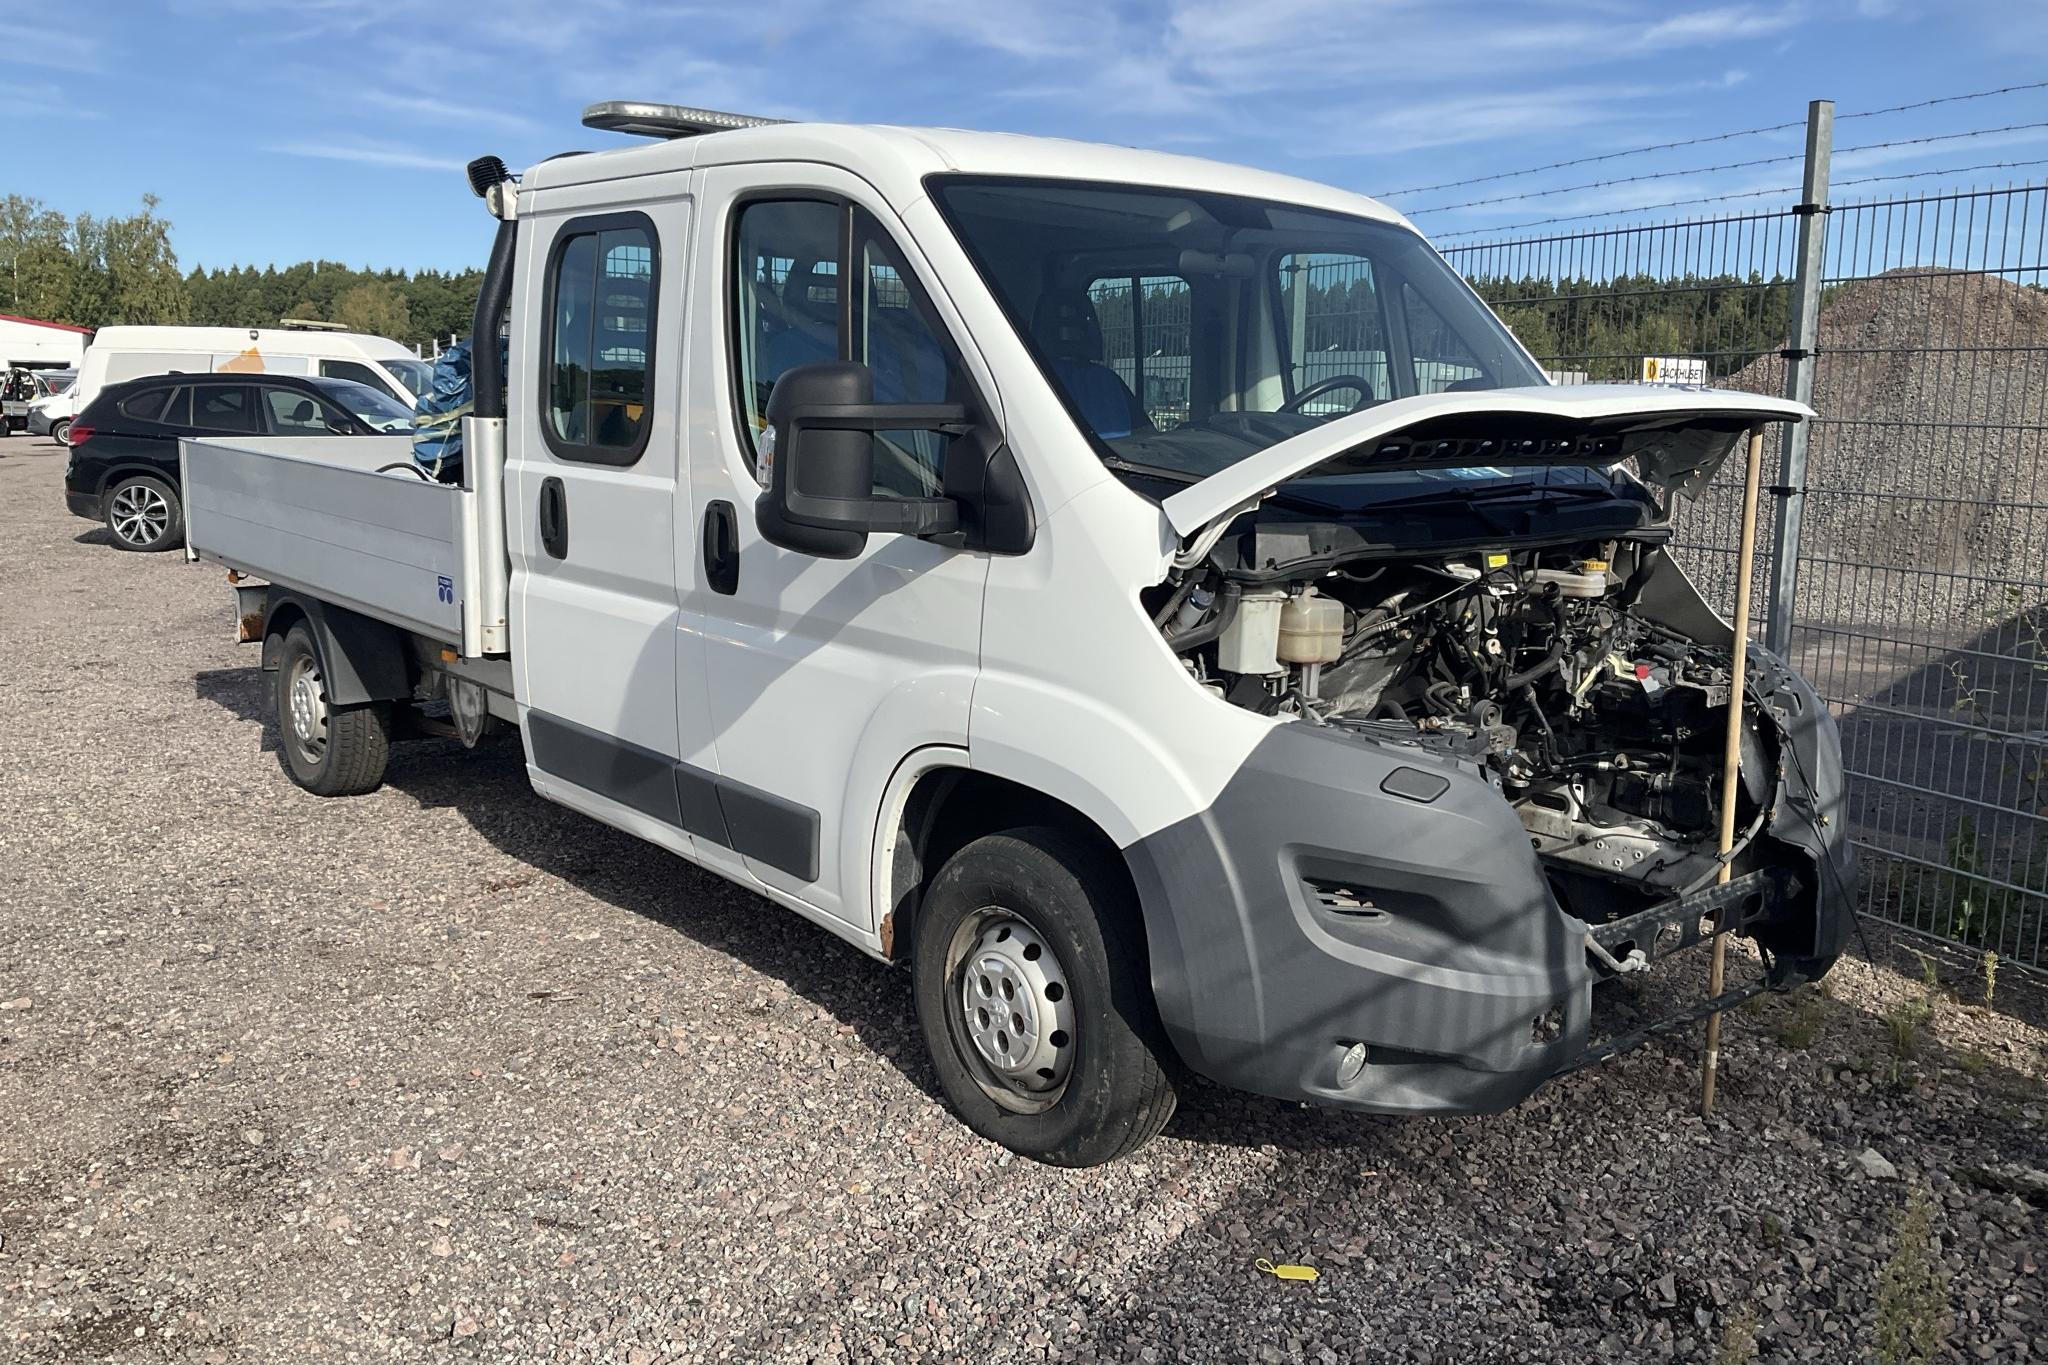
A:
x,y
1942,99
1716,137
1729,166
1740,194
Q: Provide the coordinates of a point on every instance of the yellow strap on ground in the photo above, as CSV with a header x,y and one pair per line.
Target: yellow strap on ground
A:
x,y
1288,1272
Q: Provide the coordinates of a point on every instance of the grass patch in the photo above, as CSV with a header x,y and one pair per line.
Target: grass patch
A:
x,y
1912,1291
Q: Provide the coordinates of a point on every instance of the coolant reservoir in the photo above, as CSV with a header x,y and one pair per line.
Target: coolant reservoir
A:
x,y
1589,580
1311,629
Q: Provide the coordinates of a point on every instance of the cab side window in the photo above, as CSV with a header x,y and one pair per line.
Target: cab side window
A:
x,y
819,280
1443,362
597,358
1332,323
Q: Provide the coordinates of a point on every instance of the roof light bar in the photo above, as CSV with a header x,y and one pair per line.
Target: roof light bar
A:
x,y
643,119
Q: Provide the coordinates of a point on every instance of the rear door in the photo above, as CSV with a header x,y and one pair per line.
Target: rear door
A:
x,y
592,484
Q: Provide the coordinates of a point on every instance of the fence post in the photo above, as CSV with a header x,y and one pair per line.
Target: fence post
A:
x,y
1799,358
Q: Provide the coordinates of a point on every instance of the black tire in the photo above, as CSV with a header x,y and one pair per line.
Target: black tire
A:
x,y
143,514
1116,1091
60,431
328,750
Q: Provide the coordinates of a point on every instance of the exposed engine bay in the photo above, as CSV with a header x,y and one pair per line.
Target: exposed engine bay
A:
x,y
1602,725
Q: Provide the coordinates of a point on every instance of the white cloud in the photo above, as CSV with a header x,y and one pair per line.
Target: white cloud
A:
x,y
1727,24
453,112
368,154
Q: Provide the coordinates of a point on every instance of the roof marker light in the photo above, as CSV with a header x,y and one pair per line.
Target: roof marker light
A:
x,y
644,119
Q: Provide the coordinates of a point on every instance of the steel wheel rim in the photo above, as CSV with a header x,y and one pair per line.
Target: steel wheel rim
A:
x,y
1010,1009
139,514
305,710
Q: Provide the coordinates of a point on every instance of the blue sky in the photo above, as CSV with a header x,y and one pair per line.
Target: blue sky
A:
x,y
277,130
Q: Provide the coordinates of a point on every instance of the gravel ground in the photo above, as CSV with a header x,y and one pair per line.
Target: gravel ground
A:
x,y
447,1073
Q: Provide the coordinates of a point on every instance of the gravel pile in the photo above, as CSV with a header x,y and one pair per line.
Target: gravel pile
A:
x,y
448,1074
1930,461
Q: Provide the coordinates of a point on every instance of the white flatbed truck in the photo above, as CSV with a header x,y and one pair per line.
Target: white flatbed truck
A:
x,y
966,542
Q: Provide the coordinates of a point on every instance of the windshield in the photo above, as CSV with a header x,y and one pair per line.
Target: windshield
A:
x,y
378,410
1187,331
416,375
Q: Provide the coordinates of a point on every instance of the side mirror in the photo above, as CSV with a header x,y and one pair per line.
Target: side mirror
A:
x,y
817,463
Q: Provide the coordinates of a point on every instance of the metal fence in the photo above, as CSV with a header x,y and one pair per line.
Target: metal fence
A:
x,y
1918,557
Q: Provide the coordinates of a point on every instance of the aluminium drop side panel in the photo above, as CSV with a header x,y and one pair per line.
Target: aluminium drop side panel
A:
x,y
312,513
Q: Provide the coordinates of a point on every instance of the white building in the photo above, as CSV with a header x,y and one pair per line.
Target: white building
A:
x,y
25,341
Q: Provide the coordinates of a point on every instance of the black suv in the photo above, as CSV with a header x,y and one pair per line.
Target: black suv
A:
x,y
124,446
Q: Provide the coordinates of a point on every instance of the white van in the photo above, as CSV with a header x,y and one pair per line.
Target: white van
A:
x,y
122,353
1329,749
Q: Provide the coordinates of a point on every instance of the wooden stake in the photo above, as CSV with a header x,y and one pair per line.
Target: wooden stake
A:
x,y
1731,750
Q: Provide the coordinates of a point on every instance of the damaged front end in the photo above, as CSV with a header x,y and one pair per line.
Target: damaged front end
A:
x,y
1516,737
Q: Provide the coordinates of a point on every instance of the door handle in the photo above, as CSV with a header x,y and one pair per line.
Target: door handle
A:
x,y
554,518
722,548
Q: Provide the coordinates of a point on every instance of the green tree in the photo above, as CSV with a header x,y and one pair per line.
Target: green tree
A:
x,y
142,269
88,290
375,307
35,259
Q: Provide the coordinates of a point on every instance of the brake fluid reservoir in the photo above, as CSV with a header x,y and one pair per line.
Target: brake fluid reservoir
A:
x,y
1311,629
1251,643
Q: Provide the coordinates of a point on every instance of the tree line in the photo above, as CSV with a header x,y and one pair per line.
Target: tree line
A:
x,y
94,272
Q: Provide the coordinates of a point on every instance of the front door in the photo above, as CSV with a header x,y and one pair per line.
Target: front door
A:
x,y
820,675
592,486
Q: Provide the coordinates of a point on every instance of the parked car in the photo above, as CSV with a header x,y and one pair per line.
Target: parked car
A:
x,y
124,446
51,416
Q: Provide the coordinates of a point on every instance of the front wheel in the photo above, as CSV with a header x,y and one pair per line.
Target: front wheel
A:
x,y
328,750
1028,972
61,432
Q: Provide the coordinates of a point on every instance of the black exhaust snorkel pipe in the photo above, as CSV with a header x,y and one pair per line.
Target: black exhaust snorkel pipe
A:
x,y
494,296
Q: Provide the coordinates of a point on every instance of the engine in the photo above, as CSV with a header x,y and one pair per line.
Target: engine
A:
x,y
1603,727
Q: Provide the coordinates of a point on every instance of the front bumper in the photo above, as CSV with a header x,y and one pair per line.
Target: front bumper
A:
x,y
39,423
1375,895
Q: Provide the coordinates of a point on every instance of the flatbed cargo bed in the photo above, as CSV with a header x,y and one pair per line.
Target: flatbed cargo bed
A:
x,y
314,513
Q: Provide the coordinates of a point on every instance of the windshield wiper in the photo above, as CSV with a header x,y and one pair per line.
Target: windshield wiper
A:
x,y
1496,492
1153,471
1277,497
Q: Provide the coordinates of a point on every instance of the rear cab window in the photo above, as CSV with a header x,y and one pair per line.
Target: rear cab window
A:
x,y
597,357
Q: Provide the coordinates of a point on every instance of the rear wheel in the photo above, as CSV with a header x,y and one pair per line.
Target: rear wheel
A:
x,y
328,750
1034,1002
143,513
60,432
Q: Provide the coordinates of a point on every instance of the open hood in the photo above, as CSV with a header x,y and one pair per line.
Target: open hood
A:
x,y
1677,437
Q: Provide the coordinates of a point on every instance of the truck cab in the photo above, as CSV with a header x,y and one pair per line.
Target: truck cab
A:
x,y
1155,601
